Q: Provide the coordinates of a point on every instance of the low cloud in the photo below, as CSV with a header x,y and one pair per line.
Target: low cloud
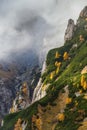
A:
x,y
35,25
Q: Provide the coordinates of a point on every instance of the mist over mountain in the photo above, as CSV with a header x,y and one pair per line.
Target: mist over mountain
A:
x,y
34,25
54,98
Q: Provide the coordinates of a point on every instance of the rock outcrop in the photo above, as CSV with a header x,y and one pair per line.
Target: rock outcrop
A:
x,y
39,92
11,79
20,125
6,96
64,85
82,17
70,30
83,13
22,100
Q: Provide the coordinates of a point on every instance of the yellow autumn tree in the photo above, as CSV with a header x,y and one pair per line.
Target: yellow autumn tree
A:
x,y
33,119
24,88
52,75
58,64
19,120
57,55
39,124
57,70
81,38
68,100
85,85
82,80
18,125
60,117
65,56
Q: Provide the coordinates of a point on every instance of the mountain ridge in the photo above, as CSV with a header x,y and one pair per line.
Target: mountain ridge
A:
x,y
67,88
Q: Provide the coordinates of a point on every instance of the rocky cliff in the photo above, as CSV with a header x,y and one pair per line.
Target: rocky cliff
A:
x,y
84,12
11,80
64,81
39,92
70,30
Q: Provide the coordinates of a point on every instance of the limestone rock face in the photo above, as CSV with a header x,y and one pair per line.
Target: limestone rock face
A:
x,y
6,96
20,124
84,12
70,30
82,17
22,100
40,90
11,78
7,90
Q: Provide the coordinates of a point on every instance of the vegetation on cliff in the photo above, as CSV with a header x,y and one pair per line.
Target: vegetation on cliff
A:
x,y
64,68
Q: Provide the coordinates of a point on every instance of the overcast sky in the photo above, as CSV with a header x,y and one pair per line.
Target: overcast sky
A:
x,y
37,25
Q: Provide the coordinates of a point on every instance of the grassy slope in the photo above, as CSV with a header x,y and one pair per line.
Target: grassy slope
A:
x,y
70,69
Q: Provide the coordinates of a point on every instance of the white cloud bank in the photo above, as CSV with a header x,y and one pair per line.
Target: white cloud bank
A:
x,y
34,24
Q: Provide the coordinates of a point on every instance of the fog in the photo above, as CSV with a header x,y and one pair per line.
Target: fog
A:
x,y
35,25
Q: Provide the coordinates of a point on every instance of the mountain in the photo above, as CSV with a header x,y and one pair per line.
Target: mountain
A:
x,y
60,98
13,73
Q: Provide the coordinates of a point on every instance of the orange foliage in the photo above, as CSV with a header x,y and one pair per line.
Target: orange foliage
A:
x,y
81,38
83,82
60,117
52,75
57,70
24,88
68,100
65,56
58,64
85,85
18,125
19,120
57,55
39,123
33,118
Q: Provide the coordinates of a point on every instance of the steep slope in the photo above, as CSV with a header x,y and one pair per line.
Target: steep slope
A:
x,y
49,119
64,106
12,77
